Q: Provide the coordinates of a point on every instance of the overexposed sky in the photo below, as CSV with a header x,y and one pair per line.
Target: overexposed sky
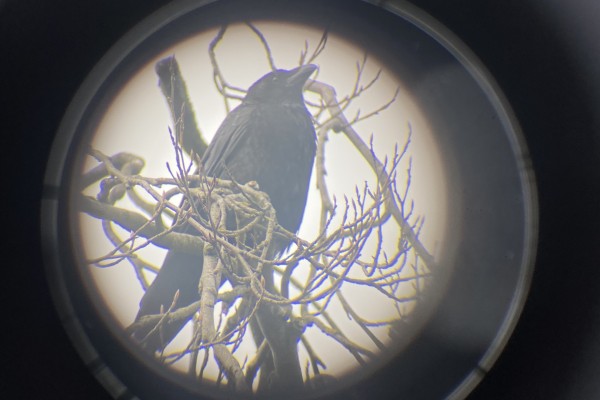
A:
x,y
138,119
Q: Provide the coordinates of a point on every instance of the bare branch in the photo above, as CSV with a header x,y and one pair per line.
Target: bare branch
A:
x,y
284,298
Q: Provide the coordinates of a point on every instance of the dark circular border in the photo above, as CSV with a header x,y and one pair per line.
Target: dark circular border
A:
x,y
55,182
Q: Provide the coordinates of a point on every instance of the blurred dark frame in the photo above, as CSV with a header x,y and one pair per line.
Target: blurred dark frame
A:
x,y
542,54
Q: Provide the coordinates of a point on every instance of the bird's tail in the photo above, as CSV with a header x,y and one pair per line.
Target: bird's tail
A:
x,y
180,271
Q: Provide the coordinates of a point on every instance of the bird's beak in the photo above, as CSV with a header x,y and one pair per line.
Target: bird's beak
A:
x,y
300,75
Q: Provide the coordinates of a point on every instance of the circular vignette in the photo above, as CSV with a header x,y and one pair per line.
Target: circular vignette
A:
x,y
89,336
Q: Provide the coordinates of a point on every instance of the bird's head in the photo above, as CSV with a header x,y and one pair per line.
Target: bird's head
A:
x,y
280,86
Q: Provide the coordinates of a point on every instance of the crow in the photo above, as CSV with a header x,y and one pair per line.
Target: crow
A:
x,y
270,139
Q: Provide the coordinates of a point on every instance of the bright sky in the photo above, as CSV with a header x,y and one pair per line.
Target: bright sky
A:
x,y
138,119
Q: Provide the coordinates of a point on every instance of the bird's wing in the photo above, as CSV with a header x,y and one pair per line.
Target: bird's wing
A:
x,y
228,138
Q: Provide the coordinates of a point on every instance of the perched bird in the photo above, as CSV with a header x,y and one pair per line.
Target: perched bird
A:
x,y
269,138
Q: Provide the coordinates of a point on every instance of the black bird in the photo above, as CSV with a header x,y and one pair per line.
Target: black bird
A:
x,y
269,138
